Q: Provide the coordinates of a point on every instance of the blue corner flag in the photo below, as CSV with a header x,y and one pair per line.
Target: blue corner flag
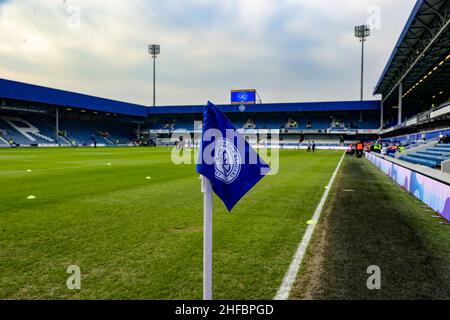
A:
x,y
226,158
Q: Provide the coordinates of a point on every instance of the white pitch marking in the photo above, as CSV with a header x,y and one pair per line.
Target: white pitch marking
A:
x,y
291,274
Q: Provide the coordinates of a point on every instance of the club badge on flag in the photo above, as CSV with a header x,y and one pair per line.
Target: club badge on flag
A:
x,y
229,162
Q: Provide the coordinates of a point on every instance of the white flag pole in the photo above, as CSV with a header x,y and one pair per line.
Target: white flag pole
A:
x,y
207,238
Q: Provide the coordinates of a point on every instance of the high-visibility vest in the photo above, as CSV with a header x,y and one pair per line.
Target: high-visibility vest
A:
x,y
359,146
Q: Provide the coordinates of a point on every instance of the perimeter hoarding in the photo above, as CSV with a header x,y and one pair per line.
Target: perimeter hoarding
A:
x,y
433,193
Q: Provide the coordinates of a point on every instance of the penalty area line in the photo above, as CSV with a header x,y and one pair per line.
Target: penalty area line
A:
x,y
291,275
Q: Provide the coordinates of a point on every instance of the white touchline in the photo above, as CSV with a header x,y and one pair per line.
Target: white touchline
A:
x,y
291,275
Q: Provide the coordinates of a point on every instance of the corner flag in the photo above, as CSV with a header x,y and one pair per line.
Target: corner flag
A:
x,y
226,159
229,166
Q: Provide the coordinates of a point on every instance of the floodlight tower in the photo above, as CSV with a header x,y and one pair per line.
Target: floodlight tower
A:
x,y
362,32
154,50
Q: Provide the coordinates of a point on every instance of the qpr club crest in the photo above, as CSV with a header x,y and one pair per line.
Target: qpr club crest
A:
x,y
243,96
227,161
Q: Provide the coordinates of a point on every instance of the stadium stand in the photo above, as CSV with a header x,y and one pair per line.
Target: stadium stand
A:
x,y
39,130
108,133
304,121
432,157
21,131
81,119
415,84
416,79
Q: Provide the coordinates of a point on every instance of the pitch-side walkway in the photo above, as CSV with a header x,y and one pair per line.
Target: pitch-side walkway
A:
x,y
370,221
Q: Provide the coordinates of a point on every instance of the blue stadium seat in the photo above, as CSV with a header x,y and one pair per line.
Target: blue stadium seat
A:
x,y
318,121
43,135
430,153
431,157
41,130
424,162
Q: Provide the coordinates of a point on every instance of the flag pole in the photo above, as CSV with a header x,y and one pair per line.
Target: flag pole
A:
x,y
207,238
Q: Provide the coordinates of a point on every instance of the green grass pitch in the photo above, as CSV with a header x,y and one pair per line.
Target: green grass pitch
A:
x,y
139,238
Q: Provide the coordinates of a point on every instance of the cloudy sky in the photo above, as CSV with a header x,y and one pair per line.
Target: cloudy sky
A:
x,y
289,50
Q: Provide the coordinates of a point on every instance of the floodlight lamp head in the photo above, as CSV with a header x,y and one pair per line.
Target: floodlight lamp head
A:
x,y
154,50
362,32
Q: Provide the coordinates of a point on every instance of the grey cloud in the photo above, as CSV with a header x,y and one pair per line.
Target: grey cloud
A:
x,y
288,50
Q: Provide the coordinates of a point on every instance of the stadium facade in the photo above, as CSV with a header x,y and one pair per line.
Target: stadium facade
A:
x,y
415,84
32,115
